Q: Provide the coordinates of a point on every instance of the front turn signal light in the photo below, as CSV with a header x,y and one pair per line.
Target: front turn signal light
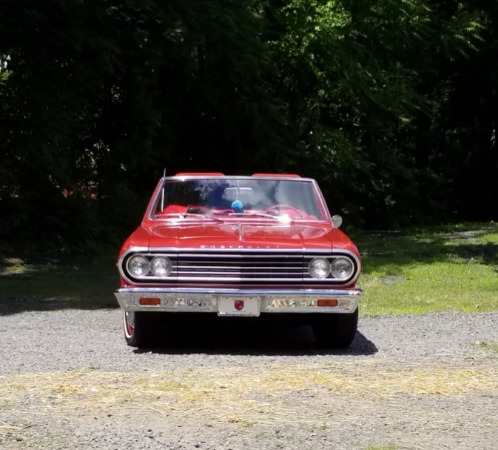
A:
x,y
327,302
146,301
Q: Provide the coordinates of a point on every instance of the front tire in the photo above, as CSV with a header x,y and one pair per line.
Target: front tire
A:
x,y
140,328
335,330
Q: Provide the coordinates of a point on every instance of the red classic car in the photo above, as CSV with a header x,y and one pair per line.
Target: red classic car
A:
x,y
256,247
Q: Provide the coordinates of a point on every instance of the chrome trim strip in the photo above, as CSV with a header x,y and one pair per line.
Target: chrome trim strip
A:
x,y
249,250
296,267
321,198
271,301
196,252
206,279
208,253
231,291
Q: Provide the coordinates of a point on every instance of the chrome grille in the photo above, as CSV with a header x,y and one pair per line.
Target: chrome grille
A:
x,y
241,267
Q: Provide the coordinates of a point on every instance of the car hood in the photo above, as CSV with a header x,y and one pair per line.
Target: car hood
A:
x,y
246,236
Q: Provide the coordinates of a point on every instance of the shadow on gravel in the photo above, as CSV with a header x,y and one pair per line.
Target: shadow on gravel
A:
x,y
261,340
15,305
426,246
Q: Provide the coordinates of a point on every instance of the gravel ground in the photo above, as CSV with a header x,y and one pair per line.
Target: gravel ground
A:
x,y
68,380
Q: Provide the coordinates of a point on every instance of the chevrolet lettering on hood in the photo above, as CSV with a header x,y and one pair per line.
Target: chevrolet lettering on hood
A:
x,y
223,248
240,246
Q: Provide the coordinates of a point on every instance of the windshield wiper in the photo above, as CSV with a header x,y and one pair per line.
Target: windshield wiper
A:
x,y
185,215
201,216
282,219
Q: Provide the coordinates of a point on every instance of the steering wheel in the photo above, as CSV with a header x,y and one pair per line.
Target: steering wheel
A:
x,y
277,208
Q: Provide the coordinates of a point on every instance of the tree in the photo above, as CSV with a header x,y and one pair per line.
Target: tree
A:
x,y
372,98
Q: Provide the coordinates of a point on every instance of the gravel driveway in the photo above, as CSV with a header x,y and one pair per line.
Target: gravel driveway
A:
x,y
67,380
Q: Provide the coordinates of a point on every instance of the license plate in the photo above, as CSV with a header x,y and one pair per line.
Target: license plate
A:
x,y
243,306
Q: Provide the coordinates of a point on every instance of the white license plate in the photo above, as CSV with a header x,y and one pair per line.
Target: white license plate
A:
x,y
238,306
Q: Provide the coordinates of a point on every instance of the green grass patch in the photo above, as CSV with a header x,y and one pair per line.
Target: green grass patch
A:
x,y
433,269
488,345
84,282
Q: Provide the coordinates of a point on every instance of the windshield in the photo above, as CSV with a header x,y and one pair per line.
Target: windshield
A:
x,y
237,197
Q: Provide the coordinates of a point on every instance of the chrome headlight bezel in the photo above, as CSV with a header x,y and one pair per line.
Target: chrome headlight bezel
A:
x,y
141,261
161,266
141,267
342,268
319,268
334,268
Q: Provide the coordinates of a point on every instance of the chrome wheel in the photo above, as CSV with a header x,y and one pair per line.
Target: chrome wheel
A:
x,y
129,323
141,327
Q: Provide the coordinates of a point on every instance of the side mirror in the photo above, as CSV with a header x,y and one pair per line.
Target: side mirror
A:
x,y
336,221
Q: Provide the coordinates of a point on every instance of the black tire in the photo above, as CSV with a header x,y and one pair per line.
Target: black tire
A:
x,y
335,330
141,328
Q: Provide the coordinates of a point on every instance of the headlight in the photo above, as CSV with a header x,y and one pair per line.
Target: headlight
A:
x,y
319,268
161,266
342,268
138,266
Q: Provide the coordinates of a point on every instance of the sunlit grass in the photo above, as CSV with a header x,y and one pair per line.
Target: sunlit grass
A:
x,y
489,346
433,269
241,394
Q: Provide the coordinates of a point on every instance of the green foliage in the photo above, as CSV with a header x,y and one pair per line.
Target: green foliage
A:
x,y
390,104
355,73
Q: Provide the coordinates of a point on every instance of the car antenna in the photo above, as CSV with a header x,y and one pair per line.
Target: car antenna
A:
x,y
162,190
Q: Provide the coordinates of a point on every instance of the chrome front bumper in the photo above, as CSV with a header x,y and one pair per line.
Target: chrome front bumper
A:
x,y
270,301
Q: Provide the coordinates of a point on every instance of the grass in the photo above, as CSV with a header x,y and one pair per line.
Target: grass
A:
x,y
431,269
488,345
242,395
86,283
414,271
